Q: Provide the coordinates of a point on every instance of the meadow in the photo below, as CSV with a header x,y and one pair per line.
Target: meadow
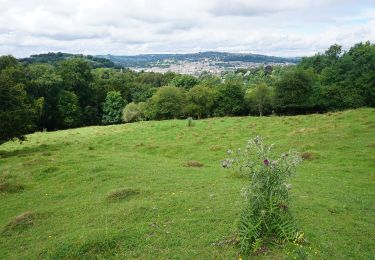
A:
x,y
156,189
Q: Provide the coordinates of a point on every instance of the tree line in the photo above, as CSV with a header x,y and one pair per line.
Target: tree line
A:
x,y
71,93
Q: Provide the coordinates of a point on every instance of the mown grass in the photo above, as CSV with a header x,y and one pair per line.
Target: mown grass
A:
x,y
125,191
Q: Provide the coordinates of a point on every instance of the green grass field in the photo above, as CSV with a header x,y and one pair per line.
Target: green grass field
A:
x,y
125,191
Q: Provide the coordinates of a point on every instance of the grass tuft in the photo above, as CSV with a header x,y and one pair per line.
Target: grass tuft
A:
x,y
20,223
122,194
7,187
193,163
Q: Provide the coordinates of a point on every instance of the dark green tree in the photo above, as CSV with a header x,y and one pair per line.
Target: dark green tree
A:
x,y
168,102
184,81
229,98
112,108
293,92
69,109
200,100
17,111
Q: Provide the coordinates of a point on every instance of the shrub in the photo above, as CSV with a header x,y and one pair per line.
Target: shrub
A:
x,y
132,112
266,216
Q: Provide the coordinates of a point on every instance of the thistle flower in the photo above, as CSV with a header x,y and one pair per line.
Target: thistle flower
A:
x,y
266,162
227,163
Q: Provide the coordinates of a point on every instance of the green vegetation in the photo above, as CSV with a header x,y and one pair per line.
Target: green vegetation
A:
x,y
157,189
69,92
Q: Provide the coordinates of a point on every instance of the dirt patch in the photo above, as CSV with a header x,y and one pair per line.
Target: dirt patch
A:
x,y
193,164
20,223
10,187
308,156
122,194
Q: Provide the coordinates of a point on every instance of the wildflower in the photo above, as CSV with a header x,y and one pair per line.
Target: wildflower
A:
x,y
266,162
229,151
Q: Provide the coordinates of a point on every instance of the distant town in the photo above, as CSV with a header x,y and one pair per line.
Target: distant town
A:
x,y
196,68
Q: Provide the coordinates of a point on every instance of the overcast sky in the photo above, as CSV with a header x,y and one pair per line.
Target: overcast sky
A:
x,y
282,27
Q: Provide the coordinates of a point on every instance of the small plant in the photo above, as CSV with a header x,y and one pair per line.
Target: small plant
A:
x,y
266,216
190,122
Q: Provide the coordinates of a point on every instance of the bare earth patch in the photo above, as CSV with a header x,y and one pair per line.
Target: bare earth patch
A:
x,y
192,163
121,194
20,223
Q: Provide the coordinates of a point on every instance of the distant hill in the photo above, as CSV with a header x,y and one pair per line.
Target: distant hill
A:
x,y
53,58
143,60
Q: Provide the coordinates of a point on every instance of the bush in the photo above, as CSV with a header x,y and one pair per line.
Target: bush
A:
x,y
266,216
132,112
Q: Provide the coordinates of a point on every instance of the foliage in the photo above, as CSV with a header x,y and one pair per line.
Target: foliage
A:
x,y
133,112
112,108
168,102
184,81
229,98
266,215
293,92
259,99
183,211
17,113
200,100
69,109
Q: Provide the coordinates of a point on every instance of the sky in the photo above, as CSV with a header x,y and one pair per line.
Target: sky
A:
x,y
286,28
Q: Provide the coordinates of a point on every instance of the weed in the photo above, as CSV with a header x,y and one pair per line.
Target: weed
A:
x,y
266,215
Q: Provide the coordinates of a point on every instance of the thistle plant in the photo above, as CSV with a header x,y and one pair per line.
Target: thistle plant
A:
x,y
266,216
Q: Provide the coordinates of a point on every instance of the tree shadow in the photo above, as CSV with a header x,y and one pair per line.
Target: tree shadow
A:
x,y
26,151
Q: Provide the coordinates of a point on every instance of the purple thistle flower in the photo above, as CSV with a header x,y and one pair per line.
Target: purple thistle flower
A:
x,y
266,162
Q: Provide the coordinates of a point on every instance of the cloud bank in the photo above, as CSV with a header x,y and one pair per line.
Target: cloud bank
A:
x,y
283,28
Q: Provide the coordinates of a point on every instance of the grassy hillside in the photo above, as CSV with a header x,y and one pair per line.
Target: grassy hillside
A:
x,y
125,191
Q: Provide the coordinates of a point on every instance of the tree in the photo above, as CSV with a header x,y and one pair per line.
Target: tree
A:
x,y
168,102
44,82
112,109
229,99
76,76
200,100
69,109
133,112
17,112
293,92
184,81
259,99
